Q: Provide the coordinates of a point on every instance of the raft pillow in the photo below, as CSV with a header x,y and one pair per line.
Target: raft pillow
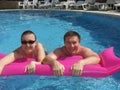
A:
x,y
108,57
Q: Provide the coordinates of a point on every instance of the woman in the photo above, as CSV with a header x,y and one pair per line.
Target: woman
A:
x,y
30,48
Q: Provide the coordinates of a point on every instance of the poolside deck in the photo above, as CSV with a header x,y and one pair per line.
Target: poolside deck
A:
x,y
13,5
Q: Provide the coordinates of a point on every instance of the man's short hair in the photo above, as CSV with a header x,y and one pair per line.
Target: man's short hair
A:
x,y
72,33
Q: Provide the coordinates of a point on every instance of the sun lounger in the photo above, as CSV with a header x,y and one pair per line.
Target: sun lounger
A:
x,y
23,4
44,4
108,5
60,5
88,4
117,4
78,4
33,3
69,4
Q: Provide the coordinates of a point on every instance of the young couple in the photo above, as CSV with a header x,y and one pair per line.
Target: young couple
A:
x,y
30,48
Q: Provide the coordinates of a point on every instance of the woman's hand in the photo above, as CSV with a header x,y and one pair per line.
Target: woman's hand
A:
x,y
30,68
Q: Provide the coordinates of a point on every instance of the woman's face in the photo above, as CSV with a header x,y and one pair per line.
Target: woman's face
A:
x,y
28,43
72,44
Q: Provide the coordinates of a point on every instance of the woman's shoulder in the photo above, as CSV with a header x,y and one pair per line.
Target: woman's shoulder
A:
x,y
39,45
18,52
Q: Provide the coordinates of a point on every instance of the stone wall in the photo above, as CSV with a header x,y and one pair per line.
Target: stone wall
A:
x,y
101,1
8,4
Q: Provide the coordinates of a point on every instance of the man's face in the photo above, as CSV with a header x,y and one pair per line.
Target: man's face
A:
x,y
72,44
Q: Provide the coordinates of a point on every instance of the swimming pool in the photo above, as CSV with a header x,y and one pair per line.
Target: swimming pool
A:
x,y
98,31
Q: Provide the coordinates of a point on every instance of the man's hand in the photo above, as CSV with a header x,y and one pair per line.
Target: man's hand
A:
x,y
77,68
1,69
58,68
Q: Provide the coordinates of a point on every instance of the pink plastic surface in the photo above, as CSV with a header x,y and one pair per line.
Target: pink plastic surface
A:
x,y
109,65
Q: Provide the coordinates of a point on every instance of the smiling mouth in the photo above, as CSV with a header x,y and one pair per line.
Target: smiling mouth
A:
x,y
73,51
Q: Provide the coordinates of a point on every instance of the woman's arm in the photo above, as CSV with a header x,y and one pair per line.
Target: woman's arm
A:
x,y
40,56
7,60
40,52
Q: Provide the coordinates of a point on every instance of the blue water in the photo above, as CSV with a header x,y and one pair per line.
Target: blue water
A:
x,y
97,32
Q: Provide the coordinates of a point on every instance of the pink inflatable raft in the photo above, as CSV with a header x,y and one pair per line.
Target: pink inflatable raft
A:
x,y
109,65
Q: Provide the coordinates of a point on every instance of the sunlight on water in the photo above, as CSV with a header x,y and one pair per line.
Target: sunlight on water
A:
x,y
33,82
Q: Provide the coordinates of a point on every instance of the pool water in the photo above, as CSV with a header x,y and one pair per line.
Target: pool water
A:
x,y
98,31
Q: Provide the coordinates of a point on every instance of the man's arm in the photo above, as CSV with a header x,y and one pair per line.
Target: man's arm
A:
x,y
51,59
90,57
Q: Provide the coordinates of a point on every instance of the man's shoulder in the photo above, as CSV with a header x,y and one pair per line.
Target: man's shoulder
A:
x,y
59,49
84,48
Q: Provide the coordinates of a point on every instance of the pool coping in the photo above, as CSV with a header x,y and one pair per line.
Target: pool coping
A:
x,y
110,12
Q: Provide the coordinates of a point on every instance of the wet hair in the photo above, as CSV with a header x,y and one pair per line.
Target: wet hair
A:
x,y
70,34
28,32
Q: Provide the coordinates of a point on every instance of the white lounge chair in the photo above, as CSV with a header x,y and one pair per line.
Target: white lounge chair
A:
x,y
88,4
44,4
69,4
23,4
53,2
117,4
101,5
33,3
78,4
60,5
109,4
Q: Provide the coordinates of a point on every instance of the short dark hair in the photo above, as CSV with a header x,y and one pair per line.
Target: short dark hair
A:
x,y
70,34
28,32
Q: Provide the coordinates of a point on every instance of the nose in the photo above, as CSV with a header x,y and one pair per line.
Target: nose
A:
x,y
27,44
71,45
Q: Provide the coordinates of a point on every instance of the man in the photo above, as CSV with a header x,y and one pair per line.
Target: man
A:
x,y
71,47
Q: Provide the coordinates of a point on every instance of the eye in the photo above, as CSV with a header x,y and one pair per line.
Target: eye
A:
x,y
28,42
74,42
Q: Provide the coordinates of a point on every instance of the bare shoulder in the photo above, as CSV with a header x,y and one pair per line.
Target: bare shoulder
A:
x,y
18,53
58,50
56,53
85,48
87,51
39,44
